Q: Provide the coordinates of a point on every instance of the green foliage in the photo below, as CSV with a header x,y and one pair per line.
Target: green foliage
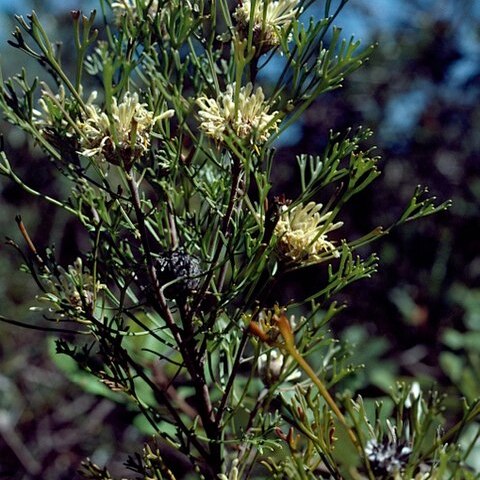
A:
x,y
175,307
461,360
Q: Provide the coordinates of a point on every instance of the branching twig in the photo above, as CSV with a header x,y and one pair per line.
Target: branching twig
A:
x,y
193,366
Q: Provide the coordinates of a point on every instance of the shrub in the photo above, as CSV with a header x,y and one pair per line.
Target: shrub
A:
x,y
176,305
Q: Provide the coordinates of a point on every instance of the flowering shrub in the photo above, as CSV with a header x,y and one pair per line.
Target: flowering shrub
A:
x,y
175,306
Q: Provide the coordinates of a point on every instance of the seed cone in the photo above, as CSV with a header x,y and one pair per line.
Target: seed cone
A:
x,y
182,269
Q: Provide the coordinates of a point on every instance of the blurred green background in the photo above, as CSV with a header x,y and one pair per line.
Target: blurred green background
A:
x,y
418,317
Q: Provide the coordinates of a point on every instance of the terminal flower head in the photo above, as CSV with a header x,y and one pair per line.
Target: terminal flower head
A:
x,y
302,234
269,18
247,116
121,137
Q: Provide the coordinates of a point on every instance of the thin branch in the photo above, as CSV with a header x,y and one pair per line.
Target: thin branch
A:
x,y
236,171
192,364
232,376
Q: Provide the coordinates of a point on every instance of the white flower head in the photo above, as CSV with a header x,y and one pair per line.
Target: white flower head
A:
x,y
123,136
269,19
247,117
302,234
71,292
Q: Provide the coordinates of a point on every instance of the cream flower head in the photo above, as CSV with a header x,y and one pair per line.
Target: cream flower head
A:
x,y
248,118
269,18
302,234
123,136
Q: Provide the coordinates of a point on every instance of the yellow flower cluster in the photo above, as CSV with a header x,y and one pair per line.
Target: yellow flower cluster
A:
x,y
302,234
247,116
121,137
